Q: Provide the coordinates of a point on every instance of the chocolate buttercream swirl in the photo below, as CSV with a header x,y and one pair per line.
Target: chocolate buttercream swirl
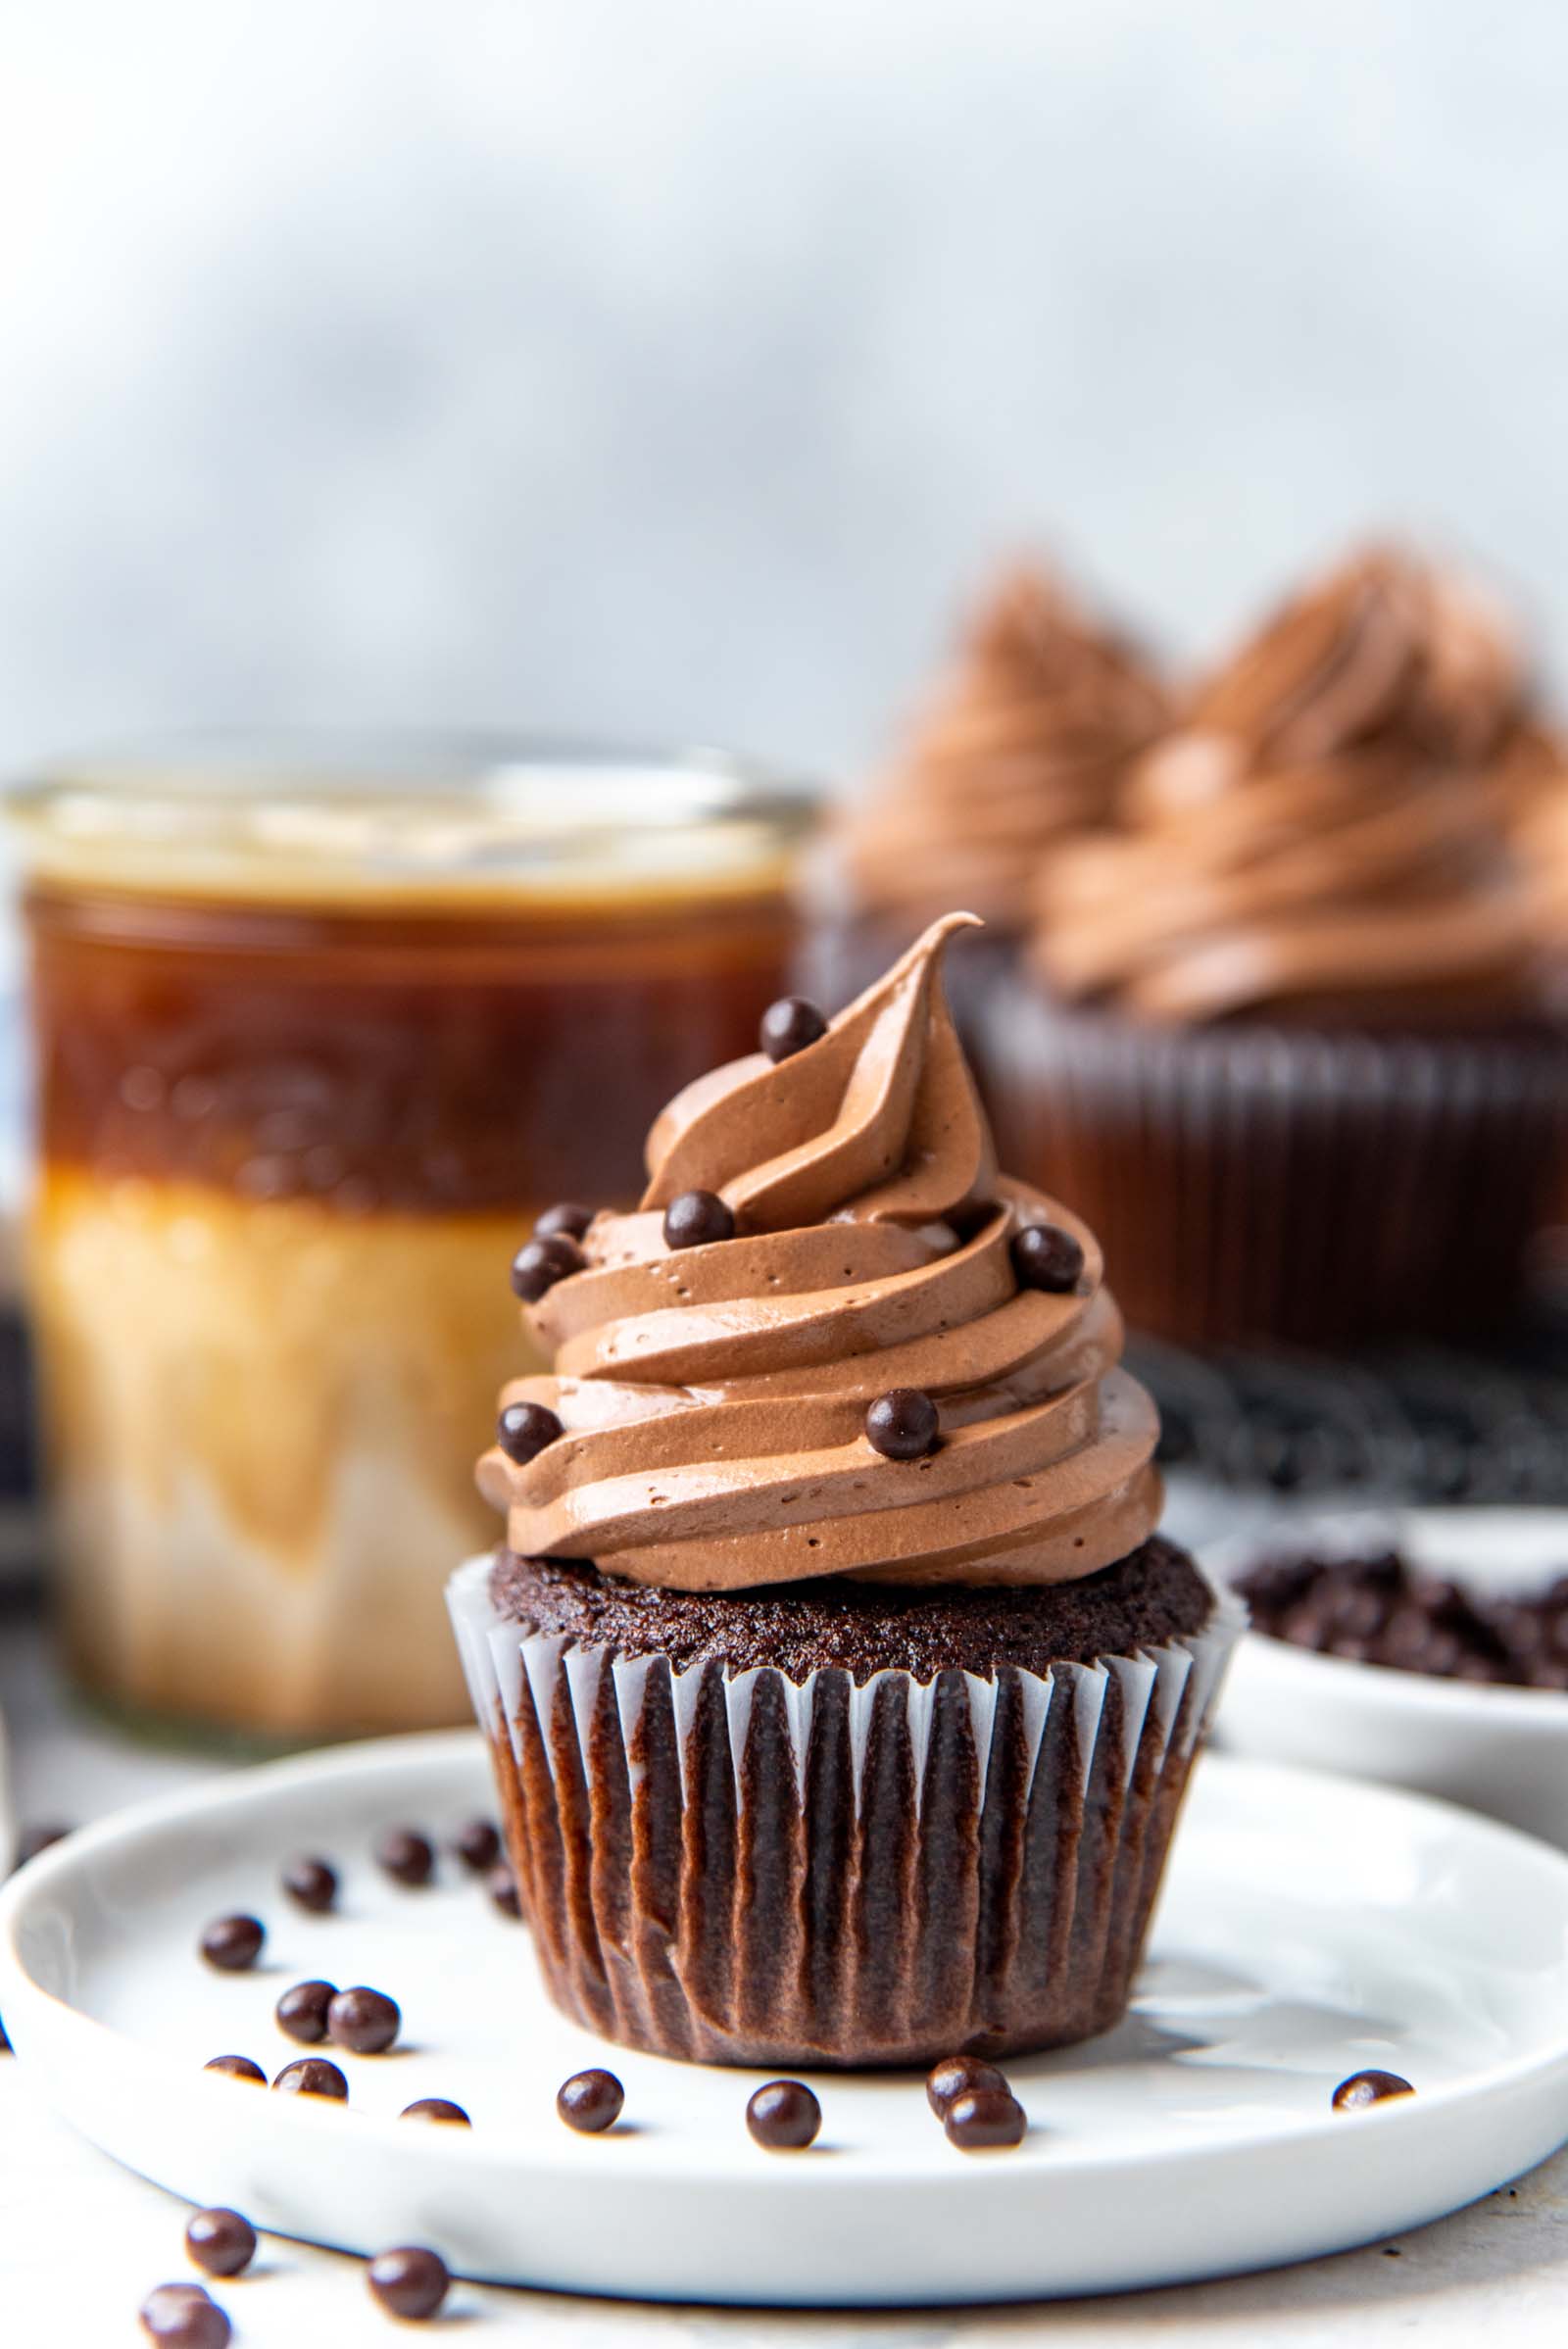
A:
x,y
714,1398
1023,745
1320,837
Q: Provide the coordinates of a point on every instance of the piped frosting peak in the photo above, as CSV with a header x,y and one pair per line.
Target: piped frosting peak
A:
x,y
714,1398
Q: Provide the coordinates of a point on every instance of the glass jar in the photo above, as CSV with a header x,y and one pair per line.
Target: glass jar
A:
x,y
318,1033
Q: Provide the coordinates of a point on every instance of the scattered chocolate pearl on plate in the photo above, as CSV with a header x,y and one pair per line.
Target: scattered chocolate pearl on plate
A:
x,y
365,2021
502,1886
406,1856
236,2067
789,1026
184,2316
538,1266
436,2108
1362,2089
234,1943
410,2281
221,2241
784,2116
33,1839
698,1219
568,1217
310,1883
902,1424
1043,1256
590,2101
478,1844
313,2076
983,2120
524,1430
300,2012
957,2075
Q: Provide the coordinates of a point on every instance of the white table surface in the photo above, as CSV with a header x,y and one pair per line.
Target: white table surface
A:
x,y
82,2240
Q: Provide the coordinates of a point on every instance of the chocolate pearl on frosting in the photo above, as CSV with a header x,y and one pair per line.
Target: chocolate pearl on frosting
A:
x,y
310,1883
1043,1256
1362,2089
957,2075
436,2108
300,2012
566,1216
502,1886
784,2116
524,1429
538,1266
902,1424
313,2076
789,1026
406,1856
983,2120
236,2067
221,2241
234,1943
478,1844
365,2021
590,2101
184,2316
698,1219
410,2283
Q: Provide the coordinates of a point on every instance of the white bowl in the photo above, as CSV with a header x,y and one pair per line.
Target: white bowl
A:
x,y
1499,1750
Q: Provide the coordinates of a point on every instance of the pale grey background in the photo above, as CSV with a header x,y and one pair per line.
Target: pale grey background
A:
x,y
672,366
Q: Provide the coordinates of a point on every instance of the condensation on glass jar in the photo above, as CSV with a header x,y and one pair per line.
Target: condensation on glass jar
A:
x,y
318,1032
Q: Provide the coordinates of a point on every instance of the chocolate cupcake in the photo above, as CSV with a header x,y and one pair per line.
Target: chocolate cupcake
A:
x,y
1285,1036
1024,745
840,1690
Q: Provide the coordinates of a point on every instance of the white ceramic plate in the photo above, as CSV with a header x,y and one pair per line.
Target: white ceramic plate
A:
x,y
1499,1750
1311,1928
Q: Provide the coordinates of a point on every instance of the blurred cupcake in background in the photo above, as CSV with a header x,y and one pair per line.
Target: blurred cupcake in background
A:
x,y
1024,745
1285,1035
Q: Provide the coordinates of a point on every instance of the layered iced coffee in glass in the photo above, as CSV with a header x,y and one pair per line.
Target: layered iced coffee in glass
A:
x,y
317,1035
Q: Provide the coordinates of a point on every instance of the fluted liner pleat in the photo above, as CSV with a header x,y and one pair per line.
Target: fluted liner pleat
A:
x,y
740,1868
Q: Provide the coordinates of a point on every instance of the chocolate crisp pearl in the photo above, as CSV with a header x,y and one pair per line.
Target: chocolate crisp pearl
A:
x,y
436,2108
524,1429
221,2241
1043,1256
184,2316
590,2101
789,1026
955,2077
313,2076
539,1265
409,2281
366,2022
902,1424
234,1943
1362,2089
983,2118
302,2010
698,1219
406,1856
784,2116
502,1886
236,2067
566,1216
478,1844
310,1883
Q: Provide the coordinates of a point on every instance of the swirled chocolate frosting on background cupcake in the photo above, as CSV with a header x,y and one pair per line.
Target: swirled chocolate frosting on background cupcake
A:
x,y
840,1690
1024,746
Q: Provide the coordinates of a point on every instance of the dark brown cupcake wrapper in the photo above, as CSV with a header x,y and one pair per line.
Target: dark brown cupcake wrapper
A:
x,y
1306,1187
748,1869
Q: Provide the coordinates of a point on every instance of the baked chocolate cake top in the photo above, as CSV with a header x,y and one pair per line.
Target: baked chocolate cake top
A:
x,y
1155,1595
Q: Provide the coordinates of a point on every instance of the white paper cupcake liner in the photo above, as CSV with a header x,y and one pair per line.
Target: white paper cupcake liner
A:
x,y
744,1868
